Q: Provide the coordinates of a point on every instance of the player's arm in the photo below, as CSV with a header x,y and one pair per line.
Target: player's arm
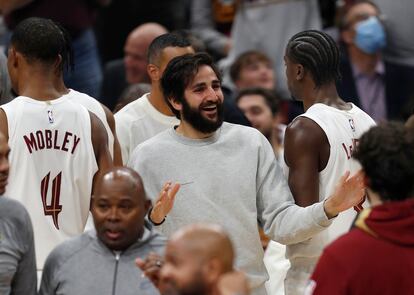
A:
x,y
100,147
4,125
117,148
306,146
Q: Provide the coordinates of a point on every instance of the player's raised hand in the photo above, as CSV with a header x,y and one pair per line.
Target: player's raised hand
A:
x,y
164,203
349,192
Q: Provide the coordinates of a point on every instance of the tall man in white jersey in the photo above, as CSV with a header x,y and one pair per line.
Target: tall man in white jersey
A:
x,y
57,145
319,143
150,114
228,172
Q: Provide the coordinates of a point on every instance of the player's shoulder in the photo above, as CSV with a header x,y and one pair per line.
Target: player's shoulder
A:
x,y
241,135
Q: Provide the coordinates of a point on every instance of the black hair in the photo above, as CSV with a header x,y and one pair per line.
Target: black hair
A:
x,y
386,153
163,41
272,99
318,53
44,40
179,73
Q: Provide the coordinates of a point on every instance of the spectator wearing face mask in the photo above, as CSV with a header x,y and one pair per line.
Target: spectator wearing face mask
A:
x,y
365,79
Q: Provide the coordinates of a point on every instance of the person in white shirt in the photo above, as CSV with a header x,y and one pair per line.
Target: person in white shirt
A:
x,y
58,147
318,144
150,114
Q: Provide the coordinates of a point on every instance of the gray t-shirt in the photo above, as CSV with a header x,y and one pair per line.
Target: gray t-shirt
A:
x,y
234,180
17,254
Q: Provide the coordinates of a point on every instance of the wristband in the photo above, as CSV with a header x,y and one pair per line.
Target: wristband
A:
x,y
149,217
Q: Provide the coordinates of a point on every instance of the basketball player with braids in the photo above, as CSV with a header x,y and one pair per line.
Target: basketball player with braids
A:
x,y
319,143
57,145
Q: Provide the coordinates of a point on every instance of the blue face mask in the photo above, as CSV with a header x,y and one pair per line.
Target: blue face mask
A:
x,y
370,35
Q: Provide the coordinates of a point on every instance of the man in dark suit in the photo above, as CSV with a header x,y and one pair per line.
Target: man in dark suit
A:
x,y
366,79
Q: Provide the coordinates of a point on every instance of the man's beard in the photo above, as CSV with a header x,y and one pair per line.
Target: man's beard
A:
x,y
196,287
194,117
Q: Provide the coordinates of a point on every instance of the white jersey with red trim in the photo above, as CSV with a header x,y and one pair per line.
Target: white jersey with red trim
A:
x,y
52,164
343,130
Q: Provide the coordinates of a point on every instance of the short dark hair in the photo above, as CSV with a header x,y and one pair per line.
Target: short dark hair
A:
x,y
163,41
44,40
318,53
272,99
245,59
180,72
386,153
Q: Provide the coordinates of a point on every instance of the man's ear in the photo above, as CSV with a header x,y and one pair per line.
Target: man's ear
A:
x,y
57,64
299,71
13,56
153,72
175,104
212,270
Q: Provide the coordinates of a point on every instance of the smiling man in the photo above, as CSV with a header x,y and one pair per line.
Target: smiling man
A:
x,y
107,256
228,172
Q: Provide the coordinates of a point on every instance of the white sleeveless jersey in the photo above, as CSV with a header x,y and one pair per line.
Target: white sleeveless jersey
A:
x,y
52,164
343,130
95,107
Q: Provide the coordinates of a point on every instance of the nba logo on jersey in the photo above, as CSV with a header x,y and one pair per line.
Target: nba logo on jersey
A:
x,y
50,116
351,123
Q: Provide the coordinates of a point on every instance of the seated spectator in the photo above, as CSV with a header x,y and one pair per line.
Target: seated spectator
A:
x,y
252,69
365,79
255,69
198,260
132,69
261,107
377,255
17,253
99,261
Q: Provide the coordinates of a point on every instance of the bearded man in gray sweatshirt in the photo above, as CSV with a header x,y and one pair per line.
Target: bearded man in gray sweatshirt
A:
x,y
228,173
103,261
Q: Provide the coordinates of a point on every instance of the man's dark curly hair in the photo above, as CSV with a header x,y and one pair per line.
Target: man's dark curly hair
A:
x,y
386,153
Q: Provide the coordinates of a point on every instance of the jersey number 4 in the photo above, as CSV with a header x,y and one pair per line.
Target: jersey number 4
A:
x,y
53,208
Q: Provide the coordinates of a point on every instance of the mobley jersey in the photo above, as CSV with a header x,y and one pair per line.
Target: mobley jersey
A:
x,y
52,164
343,130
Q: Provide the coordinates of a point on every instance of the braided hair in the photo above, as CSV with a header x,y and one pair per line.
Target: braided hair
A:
x,y
40,39
318,53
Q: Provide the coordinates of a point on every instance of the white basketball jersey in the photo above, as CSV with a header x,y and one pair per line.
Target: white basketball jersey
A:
x,y
343,130
95,107
52,164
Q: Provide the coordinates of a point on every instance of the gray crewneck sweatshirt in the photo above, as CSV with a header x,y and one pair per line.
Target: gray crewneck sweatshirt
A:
x,y
234,180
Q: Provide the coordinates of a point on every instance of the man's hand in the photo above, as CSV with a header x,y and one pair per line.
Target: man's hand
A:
x,y
232,283
165,202
349,192
151,267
